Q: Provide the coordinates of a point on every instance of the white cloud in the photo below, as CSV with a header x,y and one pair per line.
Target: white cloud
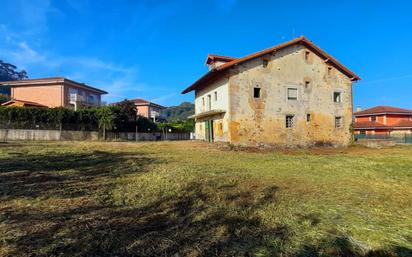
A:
x,y
26,48
24,55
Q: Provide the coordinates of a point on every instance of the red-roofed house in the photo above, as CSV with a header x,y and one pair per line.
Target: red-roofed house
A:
x,y
53,92
383,120
147,109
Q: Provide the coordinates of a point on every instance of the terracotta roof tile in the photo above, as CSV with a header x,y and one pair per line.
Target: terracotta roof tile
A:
x,y
23,103
383,109
49,81
218,71
140,101
214,57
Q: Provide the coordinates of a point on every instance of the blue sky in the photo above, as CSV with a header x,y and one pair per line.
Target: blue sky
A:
x,y
154,49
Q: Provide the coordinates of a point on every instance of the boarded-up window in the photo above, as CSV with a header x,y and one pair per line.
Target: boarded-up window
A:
x,y
338,122
290,121
337,97
292,93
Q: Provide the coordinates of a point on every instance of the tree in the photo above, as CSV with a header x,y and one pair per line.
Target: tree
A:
x,y
126,111
106,119
9,72
4,98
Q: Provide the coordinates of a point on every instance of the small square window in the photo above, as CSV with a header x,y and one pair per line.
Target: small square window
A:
x,y
329,70
256,92
265,63
290,121
292,94
308,117
337,97
338,122
215,96
373,118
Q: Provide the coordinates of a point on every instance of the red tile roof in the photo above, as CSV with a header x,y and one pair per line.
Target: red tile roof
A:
x,y
49,81
383,110
214,57
142,102
22,103
218,71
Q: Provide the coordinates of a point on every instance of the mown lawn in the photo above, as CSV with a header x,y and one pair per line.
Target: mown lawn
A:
x,y
196,199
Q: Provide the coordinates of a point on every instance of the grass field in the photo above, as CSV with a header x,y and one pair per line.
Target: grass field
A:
x,y
196,199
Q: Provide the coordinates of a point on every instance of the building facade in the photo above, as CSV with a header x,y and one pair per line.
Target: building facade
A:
x,y
290,94
383,120
55,92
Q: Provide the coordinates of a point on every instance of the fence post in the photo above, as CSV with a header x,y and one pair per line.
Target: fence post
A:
x,y
135,135
60,135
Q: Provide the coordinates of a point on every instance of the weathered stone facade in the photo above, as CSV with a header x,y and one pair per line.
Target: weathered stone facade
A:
x,y
317,117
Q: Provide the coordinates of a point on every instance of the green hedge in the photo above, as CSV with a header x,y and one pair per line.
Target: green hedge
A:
x,y
54,118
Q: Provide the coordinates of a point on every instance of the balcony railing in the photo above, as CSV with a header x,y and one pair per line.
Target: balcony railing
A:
x,y
76,98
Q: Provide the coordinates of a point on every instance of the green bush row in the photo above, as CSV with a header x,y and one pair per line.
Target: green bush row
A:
x,y
84,119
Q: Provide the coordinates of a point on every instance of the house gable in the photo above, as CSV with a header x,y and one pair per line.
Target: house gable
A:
x,y
220,70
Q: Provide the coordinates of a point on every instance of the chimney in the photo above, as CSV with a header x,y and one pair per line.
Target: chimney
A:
x,y
358,109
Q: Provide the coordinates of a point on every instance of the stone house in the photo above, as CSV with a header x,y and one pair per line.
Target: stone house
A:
x,y
290,94
54,92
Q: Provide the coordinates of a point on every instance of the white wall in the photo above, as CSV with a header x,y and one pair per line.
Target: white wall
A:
x,y
222,90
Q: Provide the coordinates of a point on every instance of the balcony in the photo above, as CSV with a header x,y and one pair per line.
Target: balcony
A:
x,y
80,99
207,113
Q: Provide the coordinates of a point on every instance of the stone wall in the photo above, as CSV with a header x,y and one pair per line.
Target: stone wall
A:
x,y
55,135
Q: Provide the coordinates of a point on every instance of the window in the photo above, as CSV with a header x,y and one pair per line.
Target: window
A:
x,y
91,99
215,95
338,122
337,97
329,70
307,83
265,63
292,94
290,121
307,53
209,102
256,92
203,101
363,132
308,117
373,118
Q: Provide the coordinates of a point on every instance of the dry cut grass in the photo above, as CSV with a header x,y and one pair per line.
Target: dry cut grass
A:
x,y
197,199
